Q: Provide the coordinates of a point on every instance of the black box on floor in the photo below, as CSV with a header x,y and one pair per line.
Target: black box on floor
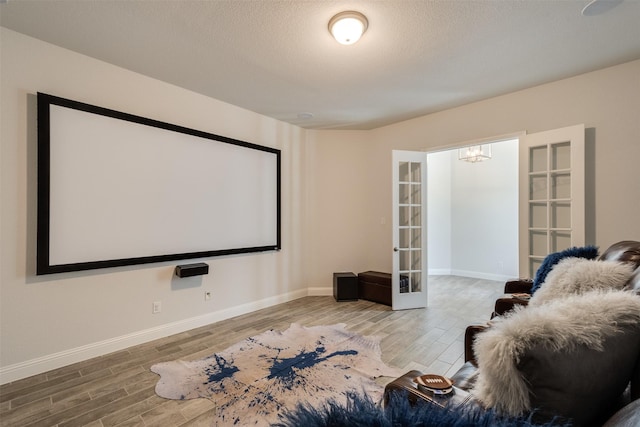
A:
x,y
345,286
375,286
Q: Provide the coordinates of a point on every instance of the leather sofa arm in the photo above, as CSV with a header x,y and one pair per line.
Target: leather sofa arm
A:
x,y
469,336
504,305
518,286
635,383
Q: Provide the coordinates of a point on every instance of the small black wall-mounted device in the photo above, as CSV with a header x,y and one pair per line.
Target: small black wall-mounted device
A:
x,y
188,270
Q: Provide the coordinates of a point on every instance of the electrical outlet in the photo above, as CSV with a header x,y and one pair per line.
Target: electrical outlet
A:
x,y
207,295
157,307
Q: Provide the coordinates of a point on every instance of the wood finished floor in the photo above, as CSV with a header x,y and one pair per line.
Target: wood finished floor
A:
x,y
118,389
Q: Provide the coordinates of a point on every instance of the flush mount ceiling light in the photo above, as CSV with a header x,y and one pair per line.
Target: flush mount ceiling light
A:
x,y
598,7
347,27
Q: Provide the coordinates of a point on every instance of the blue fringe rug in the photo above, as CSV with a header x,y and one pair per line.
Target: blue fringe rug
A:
x,y
361,411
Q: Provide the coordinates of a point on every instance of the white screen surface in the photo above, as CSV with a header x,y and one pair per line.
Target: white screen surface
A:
x,y
123,190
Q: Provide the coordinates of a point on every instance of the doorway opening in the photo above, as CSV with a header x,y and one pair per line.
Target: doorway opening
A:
x,y
472,219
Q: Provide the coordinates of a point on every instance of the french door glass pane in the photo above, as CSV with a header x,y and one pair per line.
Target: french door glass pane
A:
x,y
538,215
416,259
403,172
538,159
561,186
416,282
416,216
403,194
403,217
538,187
560,215
534,264
538,243
405,239
416,194
561,155
405,260
415,173
404,284
560,240
416,237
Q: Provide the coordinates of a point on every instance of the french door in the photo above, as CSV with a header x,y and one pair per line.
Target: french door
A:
x,y
551,193
409,274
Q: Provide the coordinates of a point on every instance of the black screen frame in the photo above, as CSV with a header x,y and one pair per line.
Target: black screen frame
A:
x,y
43,264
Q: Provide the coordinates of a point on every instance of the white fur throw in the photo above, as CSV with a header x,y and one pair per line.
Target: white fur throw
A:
x,y
566,325
579,275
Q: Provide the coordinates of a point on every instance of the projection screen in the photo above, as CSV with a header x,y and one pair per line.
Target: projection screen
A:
x,y
116,189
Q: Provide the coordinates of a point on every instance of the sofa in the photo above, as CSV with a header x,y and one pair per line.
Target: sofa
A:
x,y
627,251
570,354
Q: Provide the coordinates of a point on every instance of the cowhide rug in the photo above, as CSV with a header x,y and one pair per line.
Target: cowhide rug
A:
x,y
253,381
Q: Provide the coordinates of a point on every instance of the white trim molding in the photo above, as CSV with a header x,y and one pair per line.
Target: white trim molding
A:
x,y
481,275
49,362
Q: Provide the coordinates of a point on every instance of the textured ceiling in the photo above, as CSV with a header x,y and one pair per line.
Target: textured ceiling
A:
x,y
277,58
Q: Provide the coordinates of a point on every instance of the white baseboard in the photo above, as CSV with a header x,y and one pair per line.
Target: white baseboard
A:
x,y
481,275
440,272
49,362
320,291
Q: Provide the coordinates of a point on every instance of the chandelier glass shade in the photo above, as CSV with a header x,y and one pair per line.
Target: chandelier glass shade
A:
x,y
475,153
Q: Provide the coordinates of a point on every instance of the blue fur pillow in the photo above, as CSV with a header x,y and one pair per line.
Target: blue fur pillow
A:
x,y
588,252
362,411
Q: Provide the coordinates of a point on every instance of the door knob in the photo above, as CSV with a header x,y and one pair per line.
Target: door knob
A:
x,y
395,249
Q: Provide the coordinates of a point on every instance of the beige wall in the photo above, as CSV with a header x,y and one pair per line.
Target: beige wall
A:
x,y
339,222
336,199
607,101
48,321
